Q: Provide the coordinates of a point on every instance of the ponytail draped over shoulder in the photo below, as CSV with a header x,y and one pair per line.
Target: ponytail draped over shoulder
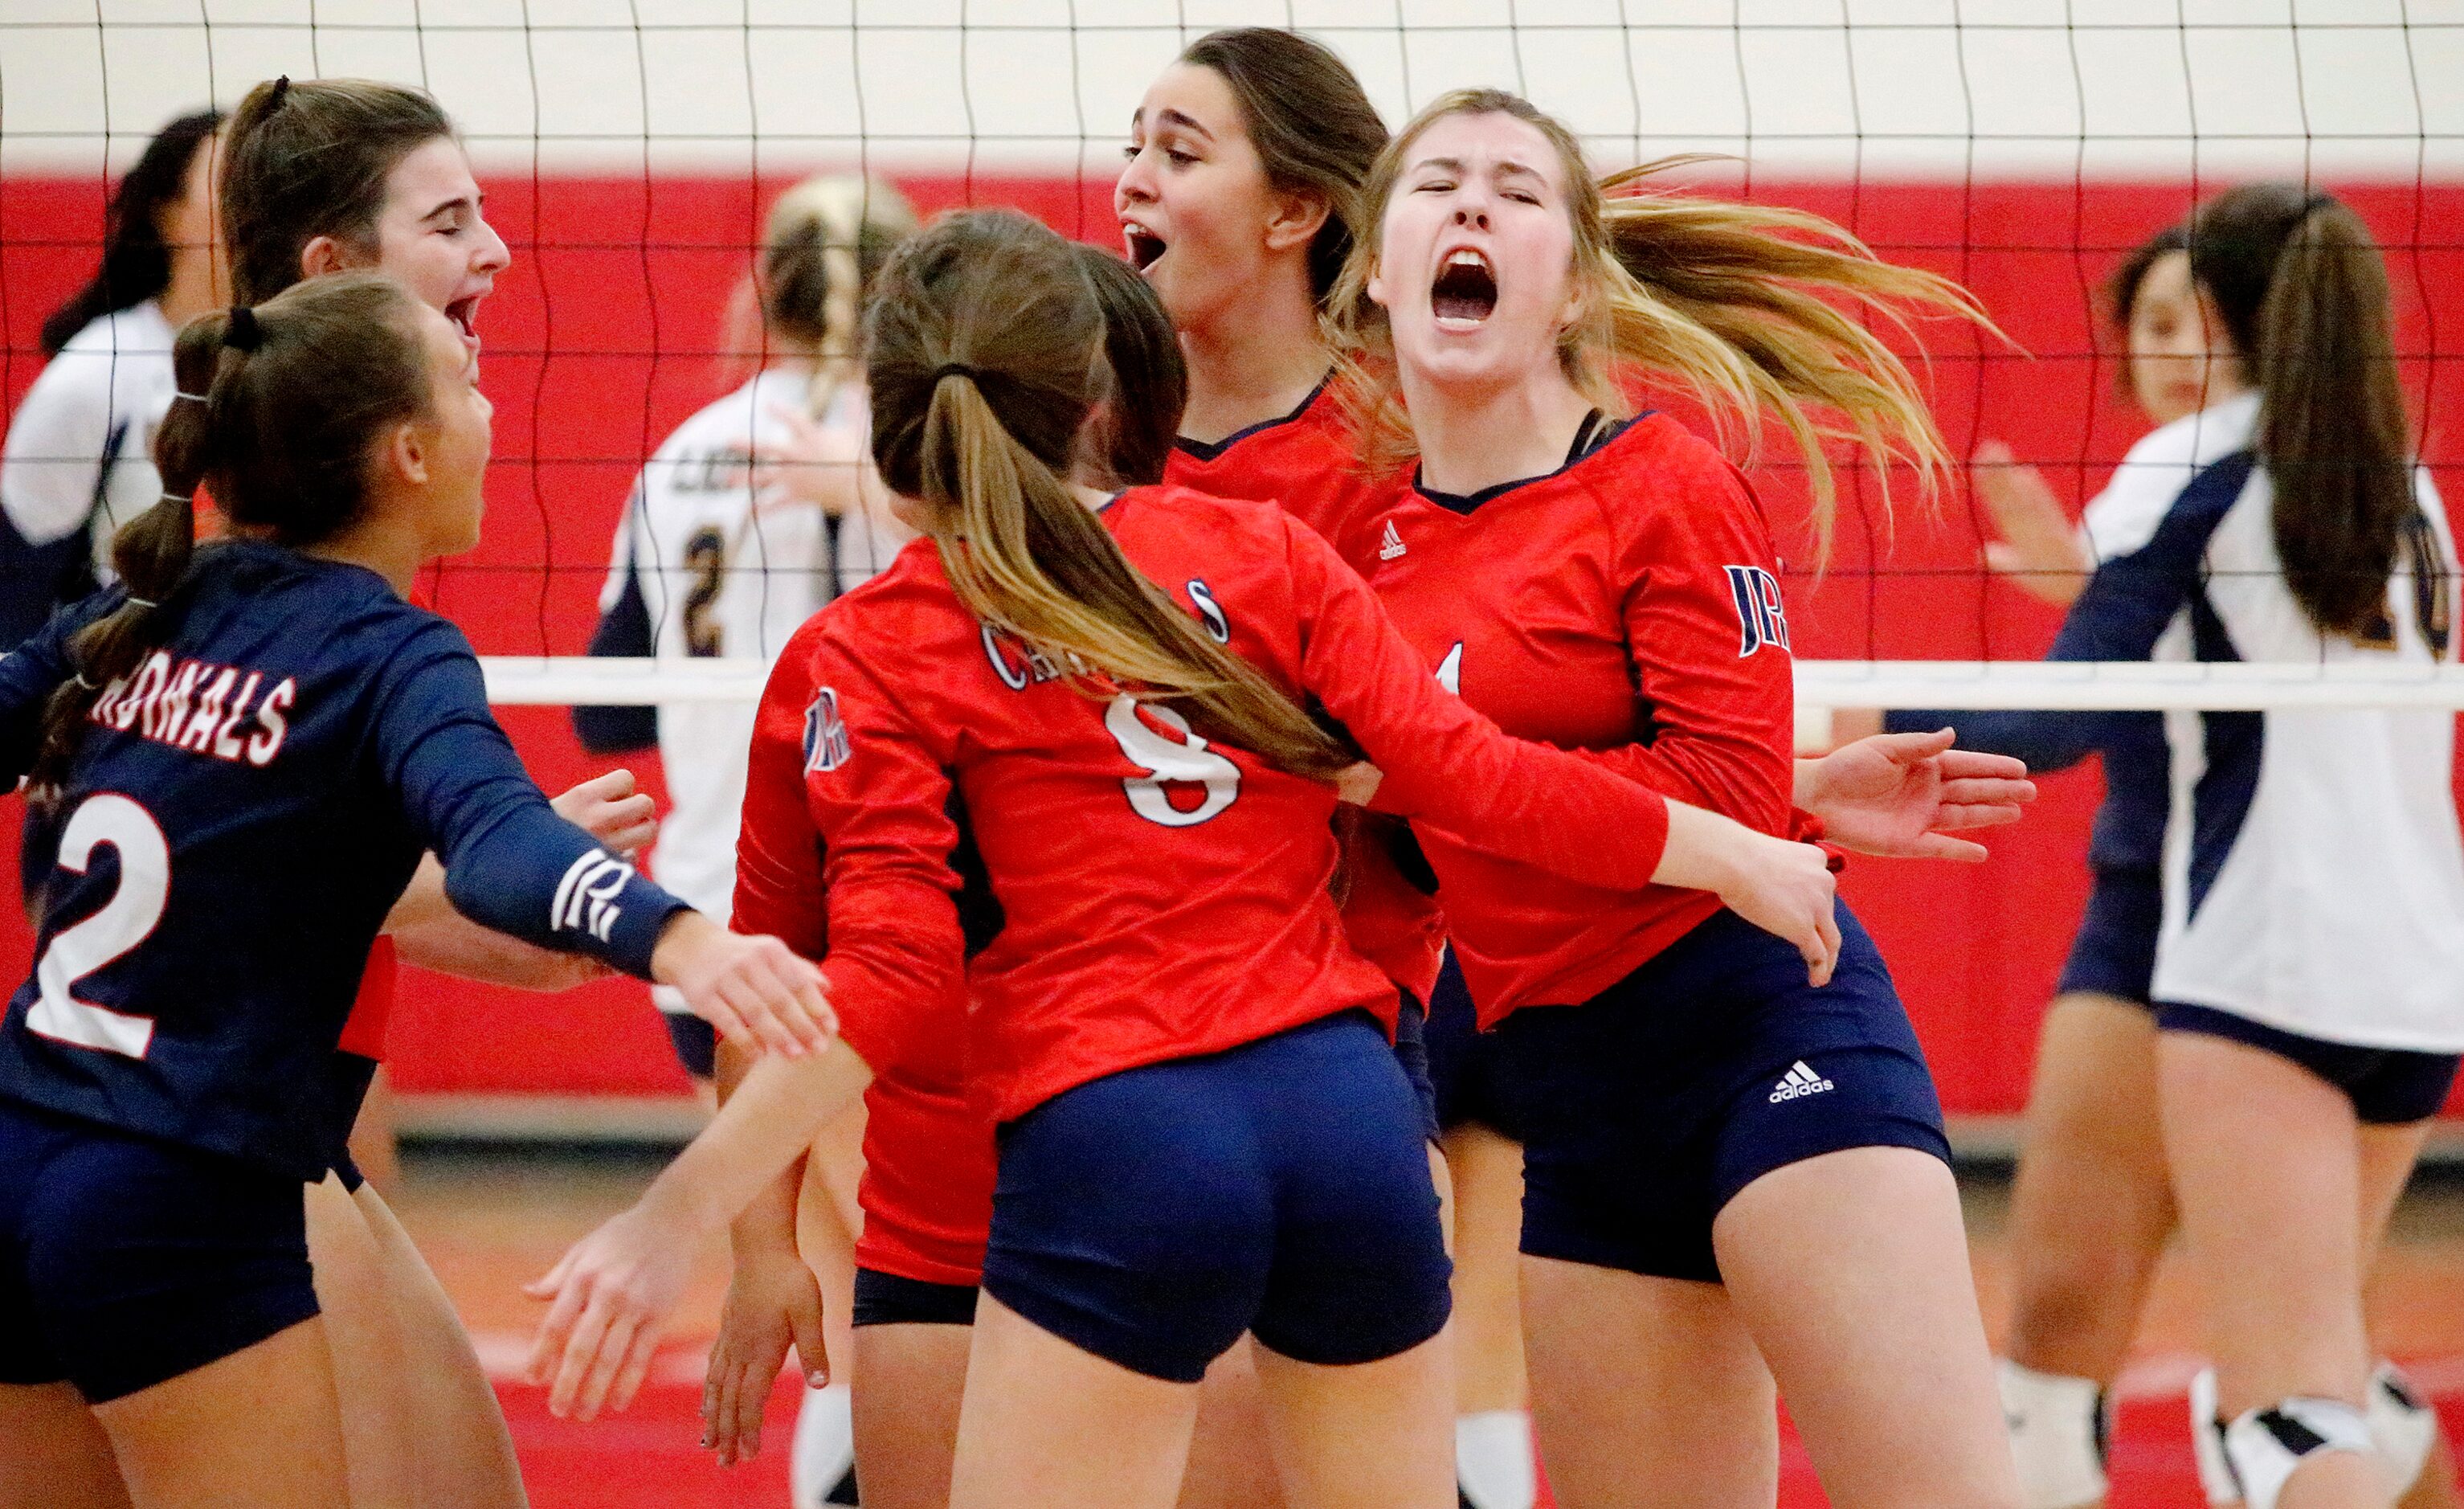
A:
x,y
985,358
1751,309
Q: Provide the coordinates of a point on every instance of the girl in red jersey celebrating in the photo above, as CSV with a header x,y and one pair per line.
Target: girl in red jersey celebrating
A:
x,y
1204,1131
1732,1172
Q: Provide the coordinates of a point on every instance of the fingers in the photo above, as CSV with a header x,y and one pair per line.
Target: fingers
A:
x,y
1911,748
637,1365
556,1331
606,1359
760,1016
1960,765
1826,925
812,1353
752,1398
1978,814
580,1354
815,1022
1958,851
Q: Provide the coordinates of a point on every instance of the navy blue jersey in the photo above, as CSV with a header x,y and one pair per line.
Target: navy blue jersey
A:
x,y
242,813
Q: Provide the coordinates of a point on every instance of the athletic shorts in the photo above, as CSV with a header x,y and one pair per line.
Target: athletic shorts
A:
x,y
695,1042
125,1262
2387,1086
1462,1059
1280,1188
1412,1052
1646,1109
895,1300
927,1189
2115,951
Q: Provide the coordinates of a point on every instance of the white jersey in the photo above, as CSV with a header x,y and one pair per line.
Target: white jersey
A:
x,y
725,571
81,448
2314,872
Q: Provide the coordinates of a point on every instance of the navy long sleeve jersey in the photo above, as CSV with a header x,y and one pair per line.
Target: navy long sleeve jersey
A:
x,y
242,813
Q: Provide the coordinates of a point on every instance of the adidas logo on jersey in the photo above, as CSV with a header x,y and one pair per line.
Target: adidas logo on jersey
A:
x,y
1799,1081
1392,545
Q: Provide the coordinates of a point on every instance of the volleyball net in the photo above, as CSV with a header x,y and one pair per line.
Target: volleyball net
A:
x,y
630,149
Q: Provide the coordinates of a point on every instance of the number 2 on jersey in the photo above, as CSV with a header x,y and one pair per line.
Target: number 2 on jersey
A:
x,y
706,558
123,922
1162,760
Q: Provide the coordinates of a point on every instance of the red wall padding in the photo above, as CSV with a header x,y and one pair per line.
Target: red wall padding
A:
x,y
600,337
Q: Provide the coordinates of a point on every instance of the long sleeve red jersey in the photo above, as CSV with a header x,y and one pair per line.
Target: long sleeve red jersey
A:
x,y
1163,896
1628,605
1306,462
927,1190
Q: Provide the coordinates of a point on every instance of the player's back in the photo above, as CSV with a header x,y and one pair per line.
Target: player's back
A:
x,y
1163,896
231,848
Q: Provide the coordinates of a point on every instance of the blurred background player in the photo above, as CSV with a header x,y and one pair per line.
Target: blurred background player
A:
x,y
2092,1203
756,512
80,460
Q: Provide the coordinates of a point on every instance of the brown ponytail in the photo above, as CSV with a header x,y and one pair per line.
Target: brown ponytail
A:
x,y
2300,286
1732,301
985,358
278,409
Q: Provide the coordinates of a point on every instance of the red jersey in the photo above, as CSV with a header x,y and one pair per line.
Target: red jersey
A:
x,y
1626,604
1306,462
1163,897
927,1189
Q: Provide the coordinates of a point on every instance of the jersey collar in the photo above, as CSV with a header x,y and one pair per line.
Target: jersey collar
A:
x,y
1590,438
1209,450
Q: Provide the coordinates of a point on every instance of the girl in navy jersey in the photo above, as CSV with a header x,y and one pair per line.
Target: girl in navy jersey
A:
x,y
1205,1130
253,741
1733,1172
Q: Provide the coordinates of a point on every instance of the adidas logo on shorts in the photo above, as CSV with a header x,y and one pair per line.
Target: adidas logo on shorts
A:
x,y
1798,1081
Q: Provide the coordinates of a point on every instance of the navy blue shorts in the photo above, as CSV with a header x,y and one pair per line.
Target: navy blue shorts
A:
x,y
695,1042
125,1262
2387,1086
1412,1052
1644,1110
1464,1062
2115,951
1280,1188
895,1300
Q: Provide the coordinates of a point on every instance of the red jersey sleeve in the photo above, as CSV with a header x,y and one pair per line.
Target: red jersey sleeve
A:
x,y
1709,642
879,796
1447,764
777,850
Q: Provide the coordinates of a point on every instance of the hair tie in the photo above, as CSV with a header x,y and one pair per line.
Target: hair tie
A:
x,y
179,394
957,370
185,498
141,602
241,332
80,679
281,87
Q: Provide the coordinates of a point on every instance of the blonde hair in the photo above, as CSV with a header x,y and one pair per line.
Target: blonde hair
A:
x,y
825,241
985,356
1726,299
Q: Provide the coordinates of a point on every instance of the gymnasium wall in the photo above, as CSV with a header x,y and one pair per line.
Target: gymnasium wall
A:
x,y
628,170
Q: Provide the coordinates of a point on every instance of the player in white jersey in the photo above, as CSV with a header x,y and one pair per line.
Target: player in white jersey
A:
x,y
755,513
2309,975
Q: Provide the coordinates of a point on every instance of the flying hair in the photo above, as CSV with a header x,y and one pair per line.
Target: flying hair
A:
x,y
1739,305
985,358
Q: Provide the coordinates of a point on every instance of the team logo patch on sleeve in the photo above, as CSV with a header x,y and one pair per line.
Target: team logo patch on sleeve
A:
x,y
1759,615
825,735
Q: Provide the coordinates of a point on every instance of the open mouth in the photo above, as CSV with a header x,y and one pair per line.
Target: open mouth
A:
x,y
1465,291
1142,246
464,315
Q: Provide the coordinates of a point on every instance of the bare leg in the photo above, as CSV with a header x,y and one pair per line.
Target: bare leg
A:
x,y
1231,1463
906,1412
1488,1303
1375,1436
260,1427
2266,1165
52,1451
1048,1426
2091,1205
2388,1156
1851,1270
380,1447
459,1445
1623,1366
372,1140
